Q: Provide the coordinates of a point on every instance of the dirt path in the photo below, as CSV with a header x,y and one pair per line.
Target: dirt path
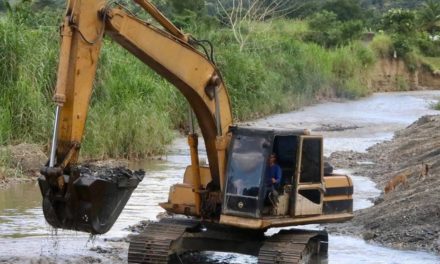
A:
x,y
407,217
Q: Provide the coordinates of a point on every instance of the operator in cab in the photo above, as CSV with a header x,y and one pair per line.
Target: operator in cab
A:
x,y
272,178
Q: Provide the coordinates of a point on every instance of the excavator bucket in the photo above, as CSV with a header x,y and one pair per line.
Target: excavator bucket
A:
x,y
91,200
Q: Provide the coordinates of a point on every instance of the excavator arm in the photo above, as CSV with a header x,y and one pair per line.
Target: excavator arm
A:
x,y
167,51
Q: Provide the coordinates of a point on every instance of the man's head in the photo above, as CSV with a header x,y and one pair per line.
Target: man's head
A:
x,y
272,159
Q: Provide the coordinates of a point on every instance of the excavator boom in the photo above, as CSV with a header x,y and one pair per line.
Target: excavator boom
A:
x,y
168,51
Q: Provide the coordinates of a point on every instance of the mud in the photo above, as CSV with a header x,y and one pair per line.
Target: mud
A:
x,y
114,174
407,217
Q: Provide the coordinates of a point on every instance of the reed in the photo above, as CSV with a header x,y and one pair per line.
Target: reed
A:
x,y
134,112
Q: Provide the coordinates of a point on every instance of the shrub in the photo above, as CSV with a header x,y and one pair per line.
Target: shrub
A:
x,y
351,30
429,47
350,72
401,24
399,21
364,54
382,45
412,61
402,84
324,27
345,10
328,31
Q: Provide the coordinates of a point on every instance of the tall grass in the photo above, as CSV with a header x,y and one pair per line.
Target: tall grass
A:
x,y
130,117
27,67
433,63
350,70
134,112
382,45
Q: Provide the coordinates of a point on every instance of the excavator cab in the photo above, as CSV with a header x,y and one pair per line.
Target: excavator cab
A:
x,y
301,188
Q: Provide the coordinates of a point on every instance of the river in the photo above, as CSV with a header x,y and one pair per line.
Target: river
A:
x,y
353,125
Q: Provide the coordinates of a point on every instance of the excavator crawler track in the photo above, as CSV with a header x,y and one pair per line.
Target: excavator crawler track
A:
x,y
160,240
294,247
153,245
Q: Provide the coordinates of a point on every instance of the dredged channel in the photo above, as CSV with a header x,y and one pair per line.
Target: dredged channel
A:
x,y
25,237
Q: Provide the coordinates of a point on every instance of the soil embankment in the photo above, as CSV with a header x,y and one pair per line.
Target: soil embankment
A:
x,y
393,75
20,163
407,217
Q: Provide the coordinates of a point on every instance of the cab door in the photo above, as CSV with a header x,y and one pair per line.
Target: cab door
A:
x,y
246,166
309,188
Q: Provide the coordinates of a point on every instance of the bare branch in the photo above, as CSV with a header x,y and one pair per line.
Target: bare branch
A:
x,y
245,14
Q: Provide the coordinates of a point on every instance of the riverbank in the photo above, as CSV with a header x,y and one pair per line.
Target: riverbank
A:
x,y
20,163
407,217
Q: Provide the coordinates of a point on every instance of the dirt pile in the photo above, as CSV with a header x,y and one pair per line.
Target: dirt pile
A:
x,y
407,217
28,157
20,163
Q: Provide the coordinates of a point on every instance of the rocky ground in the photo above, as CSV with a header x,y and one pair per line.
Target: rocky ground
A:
x,y
407,217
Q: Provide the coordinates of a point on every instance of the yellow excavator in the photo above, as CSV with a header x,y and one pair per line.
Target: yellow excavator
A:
x,y
226,203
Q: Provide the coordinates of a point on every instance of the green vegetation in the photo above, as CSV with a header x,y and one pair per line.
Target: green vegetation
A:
x,y
130,117
382,45
7,168
414,34
129,113
28,68
429,16
433,63
327,30
272,64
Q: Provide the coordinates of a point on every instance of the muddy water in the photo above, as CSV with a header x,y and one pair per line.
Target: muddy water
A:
x,y
26,238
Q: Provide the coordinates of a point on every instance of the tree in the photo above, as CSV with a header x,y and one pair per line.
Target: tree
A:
x,y
40,4
305,8
242,16
399,21
344,9
401,24
187,13
324,29
328,31
180,7
429,16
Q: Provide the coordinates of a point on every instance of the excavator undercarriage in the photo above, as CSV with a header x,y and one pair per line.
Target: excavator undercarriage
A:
x,y
161,242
